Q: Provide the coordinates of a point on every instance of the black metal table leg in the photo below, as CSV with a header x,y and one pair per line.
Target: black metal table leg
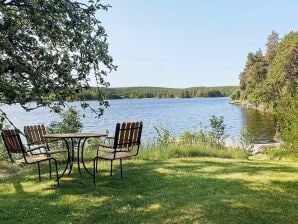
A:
x,y
82,157
68,158
72,156
78,156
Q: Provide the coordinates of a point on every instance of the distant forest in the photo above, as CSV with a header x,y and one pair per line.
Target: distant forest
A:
x,y
156,92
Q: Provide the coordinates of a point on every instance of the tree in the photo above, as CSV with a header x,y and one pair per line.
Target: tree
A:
x,y
275,84
291,70
282,73
49,49
272,43
255,72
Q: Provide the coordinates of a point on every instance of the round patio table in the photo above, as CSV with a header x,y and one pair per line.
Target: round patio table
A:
x,y
80,139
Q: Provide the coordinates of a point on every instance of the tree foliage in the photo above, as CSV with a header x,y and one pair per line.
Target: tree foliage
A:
x,y
273,81
218,127
282,79
70,123
266,82
271,45
255,72
49,49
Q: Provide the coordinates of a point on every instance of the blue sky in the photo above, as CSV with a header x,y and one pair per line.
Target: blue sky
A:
x,y
172,43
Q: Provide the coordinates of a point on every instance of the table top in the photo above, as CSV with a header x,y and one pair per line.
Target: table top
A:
x,y
76,135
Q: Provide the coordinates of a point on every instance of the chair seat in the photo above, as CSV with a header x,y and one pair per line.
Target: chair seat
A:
x,y
108,150
119,155
33,159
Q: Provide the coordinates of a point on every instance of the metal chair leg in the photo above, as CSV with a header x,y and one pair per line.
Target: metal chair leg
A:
x,y
50,168
121,167
111,168
57,175
96,161
94,170
39,177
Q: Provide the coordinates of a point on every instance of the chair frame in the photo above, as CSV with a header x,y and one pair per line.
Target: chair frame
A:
x,y
13,144
127,137
35,140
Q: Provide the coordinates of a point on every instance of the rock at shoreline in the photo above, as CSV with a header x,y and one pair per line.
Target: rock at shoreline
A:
x,y
259,107
254,148
261,148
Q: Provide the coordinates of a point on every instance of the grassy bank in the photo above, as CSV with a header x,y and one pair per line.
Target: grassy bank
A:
x,y
183,190
190,150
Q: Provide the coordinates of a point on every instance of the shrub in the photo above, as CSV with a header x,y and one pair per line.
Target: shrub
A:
x,y
70,122
217,132
188,137
246,139
3,125
287,114
164,137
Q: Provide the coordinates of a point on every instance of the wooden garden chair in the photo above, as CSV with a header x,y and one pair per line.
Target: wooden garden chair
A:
x,y
14,146
34,136
126,143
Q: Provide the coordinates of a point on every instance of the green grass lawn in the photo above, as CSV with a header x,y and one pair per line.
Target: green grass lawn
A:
x,y
190,190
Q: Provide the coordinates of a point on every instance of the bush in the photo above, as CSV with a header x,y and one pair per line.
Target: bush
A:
x,y
287,114
164,137
70,123
3,125
235,95
246,139
188,137
217,132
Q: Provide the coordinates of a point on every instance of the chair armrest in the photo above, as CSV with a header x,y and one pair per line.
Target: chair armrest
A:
x,y
104,146
30,149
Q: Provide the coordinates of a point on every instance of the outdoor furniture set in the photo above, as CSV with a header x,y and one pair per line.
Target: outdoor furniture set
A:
x,y
125,144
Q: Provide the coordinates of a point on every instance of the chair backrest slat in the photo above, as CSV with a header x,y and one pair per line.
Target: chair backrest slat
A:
x,y
137,133
27,134
34,134
128,134
132,133
121,135
12,141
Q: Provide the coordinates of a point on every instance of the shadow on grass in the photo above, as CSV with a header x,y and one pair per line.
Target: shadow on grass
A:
x,y
170,191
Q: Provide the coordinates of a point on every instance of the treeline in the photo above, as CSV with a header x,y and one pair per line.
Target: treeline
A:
x,y
156,92
270,80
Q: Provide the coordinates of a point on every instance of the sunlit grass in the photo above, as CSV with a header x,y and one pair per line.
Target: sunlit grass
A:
x,y
182,190
184,150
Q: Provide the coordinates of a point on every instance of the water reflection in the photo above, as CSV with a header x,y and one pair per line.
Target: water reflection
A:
x,y
260,125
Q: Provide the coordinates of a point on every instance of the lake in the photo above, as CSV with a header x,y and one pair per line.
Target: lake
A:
x,y
177,115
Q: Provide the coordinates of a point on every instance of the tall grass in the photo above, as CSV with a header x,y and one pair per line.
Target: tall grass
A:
x,y
282,154
192,144
157,152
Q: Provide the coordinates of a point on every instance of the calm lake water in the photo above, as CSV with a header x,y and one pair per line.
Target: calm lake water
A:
x,y
177,115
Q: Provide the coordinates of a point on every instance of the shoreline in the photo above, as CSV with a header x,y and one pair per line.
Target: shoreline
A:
x,y
247,105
